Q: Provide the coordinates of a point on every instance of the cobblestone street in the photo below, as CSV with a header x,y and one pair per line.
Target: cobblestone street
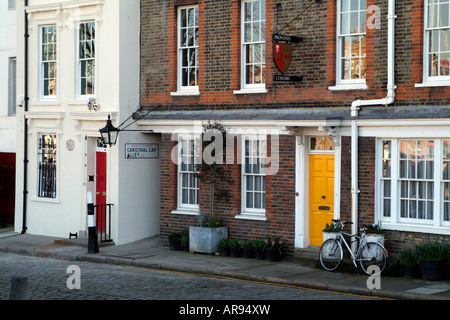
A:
x,y
47,280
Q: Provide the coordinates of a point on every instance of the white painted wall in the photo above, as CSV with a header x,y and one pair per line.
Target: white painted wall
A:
x,y
117,93
7,51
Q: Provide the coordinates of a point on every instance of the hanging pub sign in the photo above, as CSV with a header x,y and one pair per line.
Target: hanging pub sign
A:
x,y
282,55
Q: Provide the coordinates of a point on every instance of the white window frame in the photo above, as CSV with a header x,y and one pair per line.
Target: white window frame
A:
x,y
426,47
12,85
348,83
261,41
394,221
261,155
80,60
187,208
43,61
187,89
40,160
11,4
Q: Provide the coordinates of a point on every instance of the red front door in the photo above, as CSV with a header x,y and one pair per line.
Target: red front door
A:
x,y
101,189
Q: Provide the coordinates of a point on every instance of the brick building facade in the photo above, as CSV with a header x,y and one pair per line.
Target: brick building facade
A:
x,y
349,51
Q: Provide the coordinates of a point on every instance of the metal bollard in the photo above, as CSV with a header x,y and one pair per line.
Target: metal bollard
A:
x,y
93,241
19,288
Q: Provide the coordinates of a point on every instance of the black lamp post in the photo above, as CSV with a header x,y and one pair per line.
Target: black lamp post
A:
x,y
109,133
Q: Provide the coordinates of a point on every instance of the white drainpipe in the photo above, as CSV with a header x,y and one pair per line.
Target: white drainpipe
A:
x,y
389,99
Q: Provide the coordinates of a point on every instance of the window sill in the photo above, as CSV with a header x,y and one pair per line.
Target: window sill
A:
x,y
251,91
182,93
46,102
420,228
251,216
443,83
46,200
185,211
346,87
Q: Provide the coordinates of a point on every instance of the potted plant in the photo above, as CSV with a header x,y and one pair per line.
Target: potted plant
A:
x,y
393,268
205,236
375,233
408,258
260,249
210,169
432,260
235,248
247,249
274,247
185,239
330,231
175,241
224,245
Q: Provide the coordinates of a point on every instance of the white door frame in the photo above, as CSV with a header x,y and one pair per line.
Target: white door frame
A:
x,y
301,238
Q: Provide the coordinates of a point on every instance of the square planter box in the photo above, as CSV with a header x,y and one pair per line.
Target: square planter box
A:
x,y
206,240
371,237
329,235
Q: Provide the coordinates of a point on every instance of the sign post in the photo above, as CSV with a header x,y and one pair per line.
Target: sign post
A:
x,y
93,241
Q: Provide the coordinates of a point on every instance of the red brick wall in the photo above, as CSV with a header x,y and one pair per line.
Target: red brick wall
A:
x,y
366,177
280,198
314,58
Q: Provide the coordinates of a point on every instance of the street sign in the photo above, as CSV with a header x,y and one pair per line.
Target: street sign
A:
x,y
141,151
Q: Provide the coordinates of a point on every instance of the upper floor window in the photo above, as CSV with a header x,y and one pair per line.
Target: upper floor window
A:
x,y
48,61
437,36
86,59
12,87
253,42
351,44
187,77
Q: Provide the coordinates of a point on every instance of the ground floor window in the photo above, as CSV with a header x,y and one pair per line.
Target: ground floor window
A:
x,y
47,166
188,182
413,181
254,176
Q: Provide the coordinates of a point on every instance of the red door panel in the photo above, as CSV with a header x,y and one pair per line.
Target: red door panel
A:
x,y
100,197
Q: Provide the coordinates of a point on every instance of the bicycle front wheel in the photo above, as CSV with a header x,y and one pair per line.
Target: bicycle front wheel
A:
x,y
330,254
373,258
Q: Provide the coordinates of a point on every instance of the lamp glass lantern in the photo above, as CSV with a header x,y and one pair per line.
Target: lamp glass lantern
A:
x,y
109,133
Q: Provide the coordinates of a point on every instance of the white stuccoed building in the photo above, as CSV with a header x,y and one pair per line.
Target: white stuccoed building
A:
x,y
83,65
8,107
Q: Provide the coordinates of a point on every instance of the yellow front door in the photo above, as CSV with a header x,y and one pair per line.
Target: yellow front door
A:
x,y
321,195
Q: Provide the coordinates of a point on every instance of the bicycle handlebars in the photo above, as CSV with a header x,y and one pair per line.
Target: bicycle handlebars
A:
x,y
342,223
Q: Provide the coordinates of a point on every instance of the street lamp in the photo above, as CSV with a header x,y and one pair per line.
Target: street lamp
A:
x,y
109,133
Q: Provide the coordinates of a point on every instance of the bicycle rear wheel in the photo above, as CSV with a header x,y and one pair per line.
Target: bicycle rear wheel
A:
x,y
330,254
373,258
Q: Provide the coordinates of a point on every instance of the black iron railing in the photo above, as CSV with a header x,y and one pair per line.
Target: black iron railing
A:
x,y
103,223
47,180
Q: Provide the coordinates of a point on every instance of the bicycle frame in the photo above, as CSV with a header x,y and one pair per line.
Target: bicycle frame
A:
x,y
360,240
368,254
